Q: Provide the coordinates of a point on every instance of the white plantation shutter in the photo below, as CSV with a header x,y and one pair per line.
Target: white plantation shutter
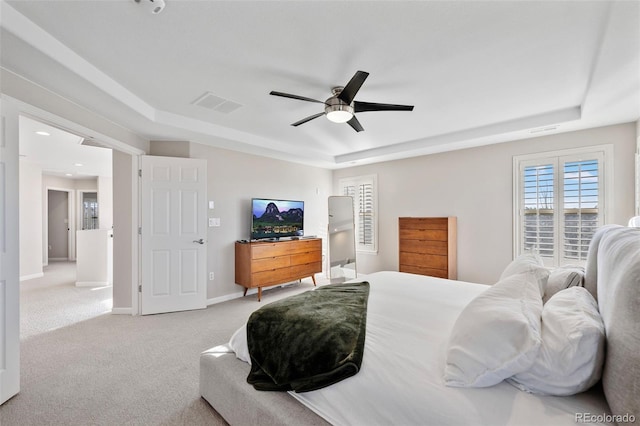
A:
x,y
365,215
538,200
581,207
363,191
561,202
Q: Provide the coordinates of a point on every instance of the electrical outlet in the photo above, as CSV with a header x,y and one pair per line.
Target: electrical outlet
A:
x,y
211,276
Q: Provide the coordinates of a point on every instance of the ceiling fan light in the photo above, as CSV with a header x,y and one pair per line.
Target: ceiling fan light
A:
x,y
338,111
339,116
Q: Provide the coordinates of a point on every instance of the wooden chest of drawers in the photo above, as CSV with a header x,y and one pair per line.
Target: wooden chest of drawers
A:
x,y
263,264
428,246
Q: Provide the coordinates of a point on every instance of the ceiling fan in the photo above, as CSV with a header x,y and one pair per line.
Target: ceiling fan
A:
x,y
341,108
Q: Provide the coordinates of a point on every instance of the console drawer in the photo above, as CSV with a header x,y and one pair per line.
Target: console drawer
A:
x,y
269,263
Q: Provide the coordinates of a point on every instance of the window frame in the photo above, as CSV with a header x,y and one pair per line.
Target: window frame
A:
x,y
558,157
357,181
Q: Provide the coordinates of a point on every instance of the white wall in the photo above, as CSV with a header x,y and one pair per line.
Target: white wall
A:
x,y
476,186
473,252
637,211
233,179
79,118
123,223
9,251
30,220
105,202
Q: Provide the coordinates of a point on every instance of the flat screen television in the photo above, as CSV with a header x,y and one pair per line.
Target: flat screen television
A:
x,y
275,219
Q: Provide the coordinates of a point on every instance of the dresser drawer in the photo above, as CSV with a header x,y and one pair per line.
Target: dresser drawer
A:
x,y
262,250
274,276
308,257
424,247
417,259
302,246
440,273
269,263
424,234
301,271
441,223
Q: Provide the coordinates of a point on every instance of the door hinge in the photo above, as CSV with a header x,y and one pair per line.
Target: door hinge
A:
x,y
139,172
140,288
139,230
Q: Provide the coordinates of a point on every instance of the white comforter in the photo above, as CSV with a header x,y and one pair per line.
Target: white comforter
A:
x,y
409,320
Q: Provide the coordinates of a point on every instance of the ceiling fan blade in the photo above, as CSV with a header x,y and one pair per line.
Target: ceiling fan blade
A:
x,y
352,87
372,106
300,98
355,124
304,120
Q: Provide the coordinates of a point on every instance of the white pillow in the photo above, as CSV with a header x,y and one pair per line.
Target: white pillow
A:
x,y
497,334
573,343
531,263
239,345
561,278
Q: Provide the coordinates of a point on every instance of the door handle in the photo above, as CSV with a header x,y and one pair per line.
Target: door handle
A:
x,y
200,241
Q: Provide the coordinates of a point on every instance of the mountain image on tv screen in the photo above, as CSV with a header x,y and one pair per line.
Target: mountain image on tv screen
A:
x,y
276,218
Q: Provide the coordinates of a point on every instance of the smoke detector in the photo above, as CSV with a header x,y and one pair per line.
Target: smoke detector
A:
x,y
154,6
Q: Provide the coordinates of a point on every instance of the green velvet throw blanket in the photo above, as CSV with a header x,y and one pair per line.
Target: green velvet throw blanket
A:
x,y
308,341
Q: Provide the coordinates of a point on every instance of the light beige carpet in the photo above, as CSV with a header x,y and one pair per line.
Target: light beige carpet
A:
x,y
54,301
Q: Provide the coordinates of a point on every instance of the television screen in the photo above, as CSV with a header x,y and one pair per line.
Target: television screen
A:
x,y
276,218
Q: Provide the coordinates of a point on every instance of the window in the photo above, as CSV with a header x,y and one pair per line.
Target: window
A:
x,y
363,189
561,199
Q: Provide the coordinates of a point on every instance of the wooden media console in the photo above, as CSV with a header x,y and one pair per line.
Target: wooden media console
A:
x,y
268,263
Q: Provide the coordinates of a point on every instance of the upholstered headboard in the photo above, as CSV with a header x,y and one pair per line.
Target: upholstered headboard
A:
x,y
613,277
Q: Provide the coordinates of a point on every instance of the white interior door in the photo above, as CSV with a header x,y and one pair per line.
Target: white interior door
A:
x,y
173,234
9,248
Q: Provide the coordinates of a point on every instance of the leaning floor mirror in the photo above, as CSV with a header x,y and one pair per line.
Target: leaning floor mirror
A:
x,y
342,241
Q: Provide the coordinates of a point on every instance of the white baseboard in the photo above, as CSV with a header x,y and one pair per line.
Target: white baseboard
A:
x,y
240,294
225,298
122,311
93,284
32,276
59,259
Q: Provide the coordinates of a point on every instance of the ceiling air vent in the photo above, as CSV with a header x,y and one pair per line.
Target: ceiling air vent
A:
x,y
216,103
543,129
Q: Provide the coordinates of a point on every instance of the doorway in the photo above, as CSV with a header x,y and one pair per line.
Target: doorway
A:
x,y
59,168
58,225
15,163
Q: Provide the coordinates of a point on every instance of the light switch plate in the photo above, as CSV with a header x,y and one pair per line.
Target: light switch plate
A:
x,y
211,204
214,221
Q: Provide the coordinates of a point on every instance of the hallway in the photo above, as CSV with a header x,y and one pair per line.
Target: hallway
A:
x,y
53,301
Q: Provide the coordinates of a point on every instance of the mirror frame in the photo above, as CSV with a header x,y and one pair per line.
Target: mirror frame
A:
x,y
341,233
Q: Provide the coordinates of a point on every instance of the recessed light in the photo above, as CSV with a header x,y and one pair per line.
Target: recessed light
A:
x,y
68,174
42,133
78,164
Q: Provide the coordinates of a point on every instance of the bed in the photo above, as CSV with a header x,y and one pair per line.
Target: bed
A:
x,y
410,319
